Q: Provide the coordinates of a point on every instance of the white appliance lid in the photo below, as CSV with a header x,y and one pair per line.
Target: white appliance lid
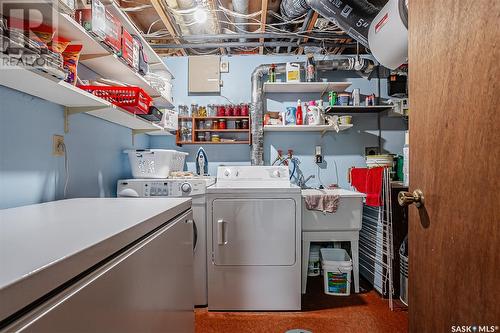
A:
x,y
253,177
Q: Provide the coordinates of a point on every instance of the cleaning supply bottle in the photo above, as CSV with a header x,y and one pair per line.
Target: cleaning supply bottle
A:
x,y
406,160
310,68
272,73
300,118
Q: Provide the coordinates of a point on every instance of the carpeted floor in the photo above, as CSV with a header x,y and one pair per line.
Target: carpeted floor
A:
x,y
365,312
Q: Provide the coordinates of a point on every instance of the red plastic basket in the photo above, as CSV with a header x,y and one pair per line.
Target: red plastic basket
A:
x,y
132,99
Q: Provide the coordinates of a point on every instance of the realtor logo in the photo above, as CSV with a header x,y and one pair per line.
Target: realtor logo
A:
x,y
474,328
24,26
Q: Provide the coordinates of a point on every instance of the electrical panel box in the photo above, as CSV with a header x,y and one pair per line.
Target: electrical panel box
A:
x,y
204,74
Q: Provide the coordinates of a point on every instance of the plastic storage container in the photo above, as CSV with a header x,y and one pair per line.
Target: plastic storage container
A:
x,y
337,267
155,163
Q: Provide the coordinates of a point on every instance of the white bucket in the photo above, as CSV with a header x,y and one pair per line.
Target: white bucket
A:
x,y
337,267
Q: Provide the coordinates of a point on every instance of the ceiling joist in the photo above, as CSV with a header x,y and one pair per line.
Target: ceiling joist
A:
x,y
310,26
263,21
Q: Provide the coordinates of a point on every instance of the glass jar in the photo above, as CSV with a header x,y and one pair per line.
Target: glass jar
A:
x,y
237,110
208,124
201,136
186,134
229,111
208,136
194,110
245,124
211,110
183,110
215,124
202,111
245,110
215,138
200,124
221,110
238,124
222,124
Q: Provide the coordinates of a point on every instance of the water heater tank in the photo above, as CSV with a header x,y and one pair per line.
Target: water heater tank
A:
x,y
388,34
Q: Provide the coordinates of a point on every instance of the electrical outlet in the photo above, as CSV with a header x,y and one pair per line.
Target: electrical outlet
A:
x,y
58,145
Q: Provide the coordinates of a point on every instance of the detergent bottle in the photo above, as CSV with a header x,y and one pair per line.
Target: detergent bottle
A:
x,y
313,114
300,119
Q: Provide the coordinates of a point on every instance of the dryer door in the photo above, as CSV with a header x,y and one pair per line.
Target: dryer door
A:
x,y
253,232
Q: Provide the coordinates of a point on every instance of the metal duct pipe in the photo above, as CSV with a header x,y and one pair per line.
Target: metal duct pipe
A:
x,y
240,7
291,9
352,16
257,114
257,104
186,20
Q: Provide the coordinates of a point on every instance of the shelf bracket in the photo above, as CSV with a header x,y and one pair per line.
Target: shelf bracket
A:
x,y
69,110
142,131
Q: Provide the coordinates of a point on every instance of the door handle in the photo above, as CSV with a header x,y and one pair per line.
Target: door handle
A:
x,y
408,198
195,233
222,231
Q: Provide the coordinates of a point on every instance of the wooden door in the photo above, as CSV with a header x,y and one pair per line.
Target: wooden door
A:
x,y
454,241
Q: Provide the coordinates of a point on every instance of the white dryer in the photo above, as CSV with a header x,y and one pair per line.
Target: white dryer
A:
x,y
253,240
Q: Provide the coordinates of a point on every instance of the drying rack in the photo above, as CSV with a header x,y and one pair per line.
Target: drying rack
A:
x,y
376,254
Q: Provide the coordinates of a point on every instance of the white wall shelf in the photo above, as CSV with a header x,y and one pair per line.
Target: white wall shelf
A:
x,y
101,60
98,57
305,87
75,100
357,109
304,128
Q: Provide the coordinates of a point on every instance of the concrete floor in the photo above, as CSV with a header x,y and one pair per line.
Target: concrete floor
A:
x,y
357,313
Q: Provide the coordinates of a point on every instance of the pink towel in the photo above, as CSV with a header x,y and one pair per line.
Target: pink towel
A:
x,y
326,203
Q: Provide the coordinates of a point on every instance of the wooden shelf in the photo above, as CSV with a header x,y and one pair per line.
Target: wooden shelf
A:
x,y
305,87
304,128
195,130
357,109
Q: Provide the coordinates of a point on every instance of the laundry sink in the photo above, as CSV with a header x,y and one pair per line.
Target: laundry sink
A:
x,y
346,218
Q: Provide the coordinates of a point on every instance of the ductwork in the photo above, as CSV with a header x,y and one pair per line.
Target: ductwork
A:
x,y
352,16
363,66
183,11
240,7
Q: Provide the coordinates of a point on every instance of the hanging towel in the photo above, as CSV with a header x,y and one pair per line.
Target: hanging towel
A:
x,y
369,181
326,203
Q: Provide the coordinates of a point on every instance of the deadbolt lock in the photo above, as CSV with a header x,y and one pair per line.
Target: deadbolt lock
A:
x,y
408,198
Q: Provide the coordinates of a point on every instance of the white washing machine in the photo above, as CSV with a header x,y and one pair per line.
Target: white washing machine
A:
x,y
253,240
194,187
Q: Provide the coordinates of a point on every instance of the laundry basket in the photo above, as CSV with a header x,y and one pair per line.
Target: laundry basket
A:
x,y
337,267
155,163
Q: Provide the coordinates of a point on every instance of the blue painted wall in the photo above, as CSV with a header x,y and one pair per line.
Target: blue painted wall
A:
x,y
341,151
30,174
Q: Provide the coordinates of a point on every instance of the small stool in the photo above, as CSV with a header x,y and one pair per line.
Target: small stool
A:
x,y
331,236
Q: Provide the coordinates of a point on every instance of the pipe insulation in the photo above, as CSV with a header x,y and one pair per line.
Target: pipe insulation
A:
x,y
352,16
257,103
240,7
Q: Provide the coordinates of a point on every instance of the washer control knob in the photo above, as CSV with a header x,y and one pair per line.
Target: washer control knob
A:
x,y
227,172
186,187
277,173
